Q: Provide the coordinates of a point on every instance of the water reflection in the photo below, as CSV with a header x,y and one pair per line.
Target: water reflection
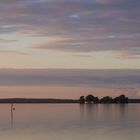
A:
x,y
89,113
104,114
123,110
66,121
12,115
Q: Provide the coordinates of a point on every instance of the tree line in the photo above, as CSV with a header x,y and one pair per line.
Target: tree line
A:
x,y
90,99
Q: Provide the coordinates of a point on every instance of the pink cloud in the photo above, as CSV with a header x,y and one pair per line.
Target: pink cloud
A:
x,y
108,2
5,41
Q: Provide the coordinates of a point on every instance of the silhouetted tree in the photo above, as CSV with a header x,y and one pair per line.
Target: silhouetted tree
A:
x,y
96,100
106,100
90,99
121,99
82,100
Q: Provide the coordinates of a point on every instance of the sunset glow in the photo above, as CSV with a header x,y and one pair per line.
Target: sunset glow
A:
x,y
70,35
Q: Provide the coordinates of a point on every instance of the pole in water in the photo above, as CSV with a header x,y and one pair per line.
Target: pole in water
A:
x,y
12,114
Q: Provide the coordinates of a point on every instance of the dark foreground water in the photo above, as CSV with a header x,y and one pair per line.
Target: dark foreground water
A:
x,y
70,122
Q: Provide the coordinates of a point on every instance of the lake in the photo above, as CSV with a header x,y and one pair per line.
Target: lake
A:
x,y
70,122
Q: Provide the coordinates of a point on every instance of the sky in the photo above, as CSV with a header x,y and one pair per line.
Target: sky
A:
x,y
84,34
64,47
68,83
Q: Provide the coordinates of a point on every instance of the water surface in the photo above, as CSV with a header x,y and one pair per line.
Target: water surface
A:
x,y
70,121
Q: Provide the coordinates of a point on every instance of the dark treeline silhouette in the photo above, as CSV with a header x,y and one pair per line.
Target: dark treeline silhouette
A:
x,y
90,99
35,100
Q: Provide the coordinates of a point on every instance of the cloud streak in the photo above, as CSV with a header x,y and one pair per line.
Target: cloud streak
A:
x,y
53,77
13,52
5,41
85,26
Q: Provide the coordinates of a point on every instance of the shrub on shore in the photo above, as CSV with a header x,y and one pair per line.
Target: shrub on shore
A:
x,y
90,99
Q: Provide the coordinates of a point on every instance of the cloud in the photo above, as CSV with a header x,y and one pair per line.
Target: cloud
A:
x,y
128,55
85,26
82,55
53,77
13,52
123,43
111,2
5,41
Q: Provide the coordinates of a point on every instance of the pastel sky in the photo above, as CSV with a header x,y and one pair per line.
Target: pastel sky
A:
x,y
63,43
85,34
72,83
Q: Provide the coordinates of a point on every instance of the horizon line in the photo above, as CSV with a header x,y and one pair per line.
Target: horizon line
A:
x,y
69,69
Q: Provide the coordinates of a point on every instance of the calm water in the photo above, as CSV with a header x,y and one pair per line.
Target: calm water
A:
x,y
70,122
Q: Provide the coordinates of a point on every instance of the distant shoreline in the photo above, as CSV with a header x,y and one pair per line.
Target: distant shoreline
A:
x,y
36,100
53,101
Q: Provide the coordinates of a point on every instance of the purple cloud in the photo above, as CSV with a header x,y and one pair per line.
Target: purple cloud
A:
x,y
91,78
99,25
